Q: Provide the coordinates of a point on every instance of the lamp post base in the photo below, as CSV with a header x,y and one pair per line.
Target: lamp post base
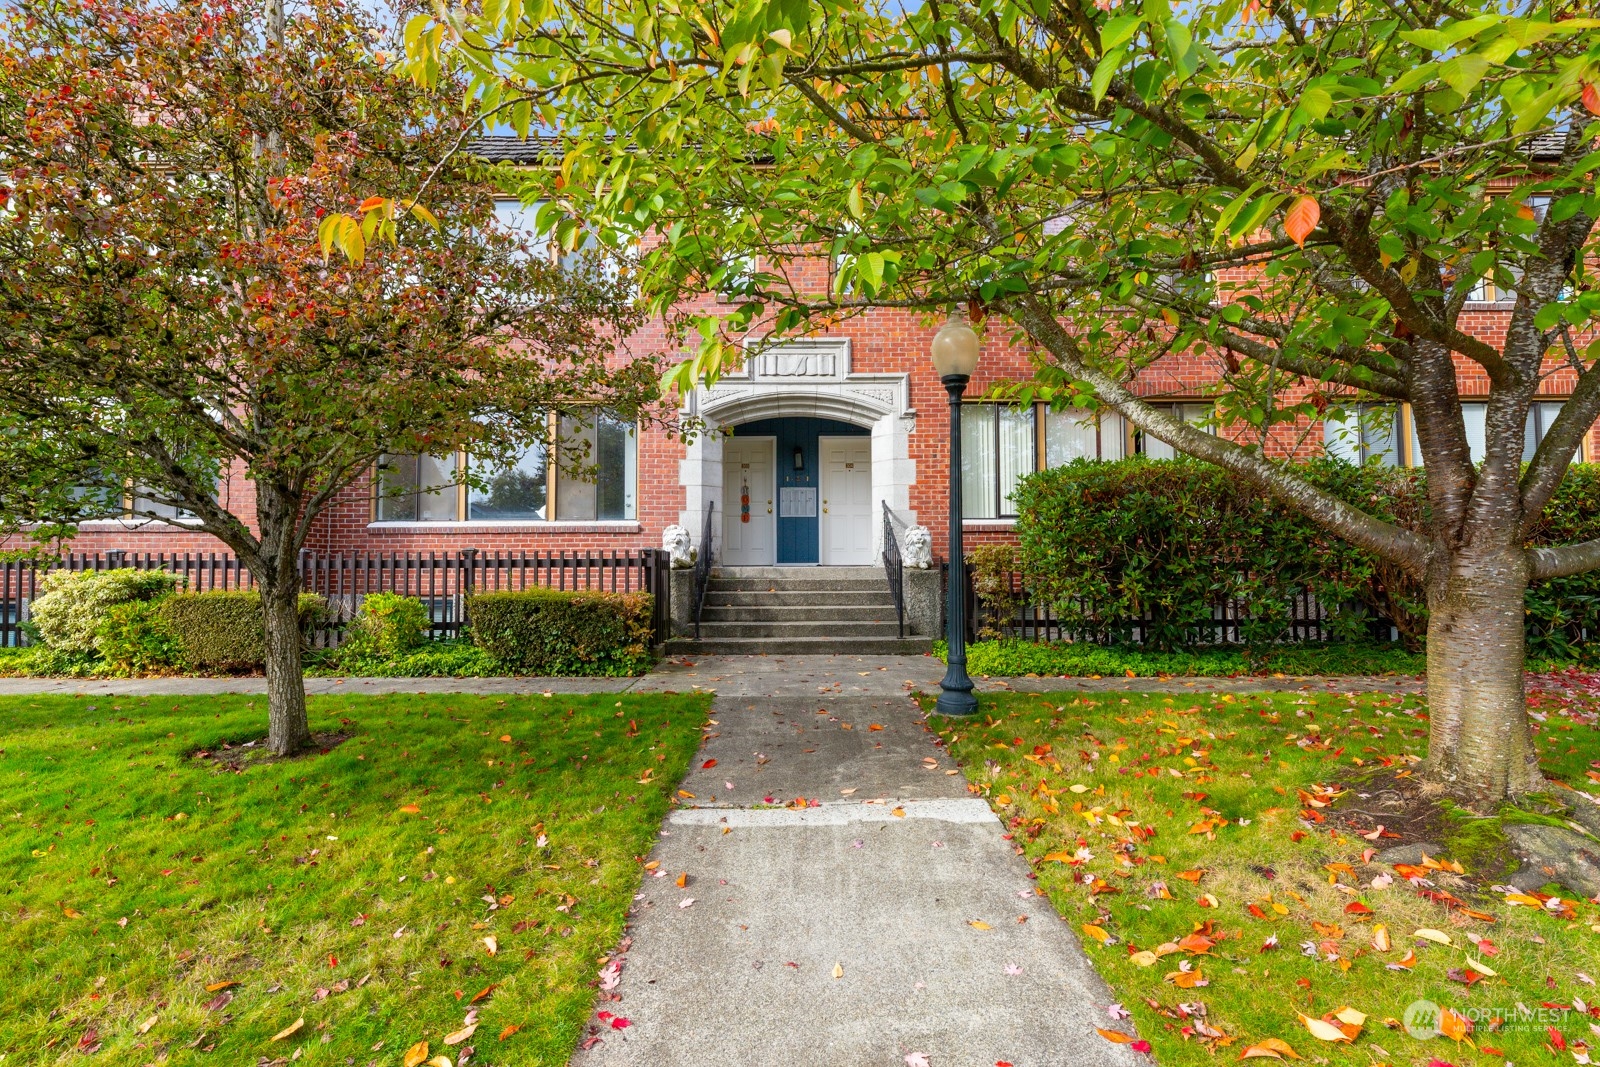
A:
x,y
955,695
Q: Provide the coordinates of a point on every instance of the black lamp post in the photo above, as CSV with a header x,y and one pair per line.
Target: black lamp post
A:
x,y
955,356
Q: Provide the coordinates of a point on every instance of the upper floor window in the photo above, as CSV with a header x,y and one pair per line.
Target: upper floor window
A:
x,y
602,450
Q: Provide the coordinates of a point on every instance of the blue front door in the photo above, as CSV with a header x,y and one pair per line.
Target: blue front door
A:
x,y
798,461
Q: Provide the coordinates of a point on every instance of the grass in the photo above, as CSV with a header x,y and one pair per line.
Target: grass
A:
x,y
169,909
1014,658
1149,818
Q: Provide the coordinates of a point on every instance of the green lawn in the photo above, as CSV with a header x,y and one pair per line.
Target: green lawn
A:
x,y
169,909
1151,819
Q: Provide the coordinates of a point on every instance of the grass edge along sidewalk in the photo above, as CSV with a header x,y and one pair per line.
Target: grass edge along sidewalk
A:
x,y
444,869
1213,853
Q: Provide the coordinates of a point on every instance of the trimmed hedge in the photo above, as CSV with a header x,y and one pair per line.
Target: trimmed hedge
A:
x,y
74,604
551,632
387,626
222,629
1103,543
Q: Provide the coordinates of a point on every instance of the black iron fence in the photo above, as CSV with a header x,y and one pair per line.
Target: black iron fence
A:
x,y
441,580
1009,610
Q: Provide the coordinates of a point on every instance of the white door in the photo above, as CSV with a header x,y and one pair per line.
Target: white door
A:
x,y
846,533
749,533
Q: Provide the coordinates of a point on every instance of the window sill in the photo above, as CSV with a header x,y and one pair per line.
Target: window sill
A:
x,y
988,524
1489,305
491,525
143,525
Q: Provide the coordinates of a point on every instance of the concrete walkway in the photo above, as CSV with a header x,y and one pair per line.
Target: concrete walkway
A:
x,y
834,676
892,919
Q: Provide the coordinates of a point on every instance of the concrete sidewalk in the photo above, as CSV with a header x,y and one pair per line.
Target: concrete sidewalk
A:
x,y
892,919
835,676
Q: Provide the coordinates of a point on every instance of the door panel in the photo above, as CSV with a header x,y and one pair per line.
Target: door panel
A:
x,y
846,532
748,530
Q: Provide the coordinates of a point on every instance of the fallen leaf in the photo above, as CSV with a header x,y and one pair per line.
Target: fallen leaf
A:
x,y
491,944
838,970
411,809
1481,968
214,986
1276,1048
415,1054
144,1027
708,764
1380,938
978,924
290,1029
1436,936
1116,1037
508,1031
1323,1031
1097,932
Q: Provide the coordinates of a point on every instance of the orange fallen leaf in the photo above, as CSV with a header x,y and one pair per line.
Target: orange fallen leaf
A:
x,y
1116,1037
874,726
1274,1047
484,993
682,880
1097,932
508,1031
214,986
411,809
1194,875
415,1054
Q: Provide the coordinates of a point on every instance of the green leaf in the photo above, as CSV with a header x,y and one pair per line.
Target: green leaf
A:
x,y
1118,31
1315,101
1104,71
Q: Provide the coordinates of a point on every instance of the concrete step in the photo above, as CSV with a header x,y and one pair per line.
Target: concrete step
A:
x,y
808,571
834,628
808,612
795,585
798,598
799,646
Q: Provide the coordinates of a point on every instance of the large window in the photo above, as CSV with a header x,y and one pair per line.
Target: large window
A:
x,y
1364,433
1195,413
1002,442
602,452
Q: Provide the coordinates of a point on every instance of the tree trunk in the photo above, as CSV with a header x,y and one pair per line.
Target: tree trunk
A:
x,y
287,728
1479,748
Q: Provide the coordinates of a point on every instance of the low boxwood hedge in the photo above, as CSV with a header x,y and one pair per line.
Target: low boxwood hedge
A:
x,y
551,632
222,630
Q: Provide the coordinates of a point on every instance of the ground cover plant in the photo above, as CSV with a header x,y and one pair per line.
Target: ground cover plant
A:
x,y
172,896
1016,658
1218,855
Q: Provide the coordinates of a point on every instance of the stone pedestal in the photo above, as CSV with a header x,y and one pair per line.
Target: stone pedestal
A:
x,y
682,586
924,602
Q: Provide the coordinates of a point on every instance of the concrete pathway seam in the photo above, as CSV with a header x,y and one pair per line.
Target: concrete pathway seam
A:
x,y
838,814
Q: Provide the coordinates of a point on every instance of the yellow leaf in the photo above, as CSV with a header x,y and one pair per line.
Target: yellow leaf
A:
x,y
460,1035
838,970
491,944
898,813
1351,1016
1276,1048
290,1029
214,986
144,1027
438,1061
1380,938
1433,935
72,913
1481,968
1323,1031
1096,932
415,1054
978,924
410,809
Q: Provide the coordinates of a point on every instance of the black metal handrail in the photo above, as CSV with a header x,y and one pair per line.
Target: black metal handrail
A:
x,y
702,568
893,567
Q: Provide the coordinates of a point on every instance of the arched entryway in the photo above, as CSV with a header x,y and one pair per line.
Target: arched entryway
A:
x,y
797,490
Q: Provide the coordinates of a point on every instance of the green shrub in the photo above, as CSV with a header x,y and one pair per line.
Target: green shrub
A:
x,y
1106,543
73,603
387,625
134,638
222,630
458,658
1018,658
550,632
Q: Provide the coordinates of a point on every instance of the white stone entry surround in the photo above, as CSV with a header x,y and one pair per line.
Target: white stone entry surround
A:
x,y
808,378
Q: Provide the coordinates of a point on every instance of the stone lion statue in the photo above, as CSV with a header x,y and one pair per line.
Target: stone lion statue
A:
x,y
676,540
918,551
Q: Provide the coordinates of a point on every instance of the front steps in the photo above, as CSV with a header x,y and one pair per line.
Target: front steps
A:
x,y
753,611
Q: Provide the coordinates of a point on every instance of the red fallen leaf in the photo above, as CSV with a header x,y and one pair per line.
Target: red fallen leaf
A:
x,y
89,1042
333,961
619,1023
1355,907
1141,1045
1255,910
1557,1041
590,1042
1303,983
1298,835
708,764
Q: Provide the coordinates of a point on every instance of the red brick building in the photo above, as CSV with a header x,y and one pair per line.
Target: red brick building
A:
x,y
804,444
